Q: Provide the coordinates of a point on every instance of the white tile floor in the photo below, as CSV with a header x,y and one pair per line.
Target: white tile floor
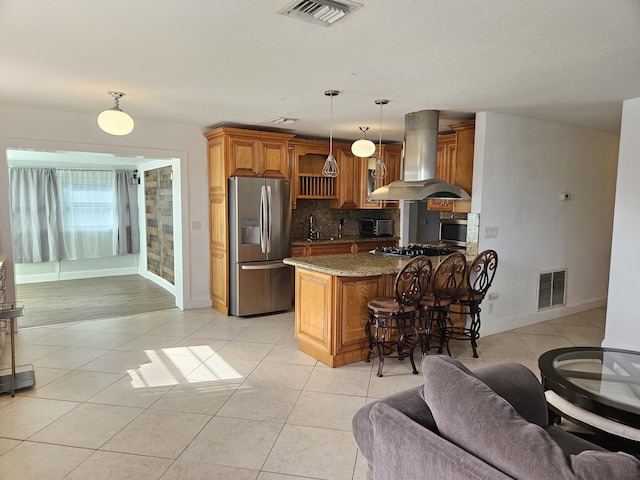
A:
x,y
195,395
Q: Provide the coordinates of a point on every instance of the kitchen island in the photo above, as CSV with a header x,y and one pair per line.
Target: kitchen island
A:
x,y
331,295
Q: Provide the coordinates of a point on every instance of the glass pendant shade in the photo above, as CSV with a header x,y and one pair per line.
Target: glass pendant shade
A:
x,y
330,168
363,148
113,120
380,169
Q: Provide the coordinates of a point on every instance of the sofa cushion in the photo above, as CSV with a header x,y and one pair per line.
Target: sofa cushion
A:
x,y
471,415
519,386
404,449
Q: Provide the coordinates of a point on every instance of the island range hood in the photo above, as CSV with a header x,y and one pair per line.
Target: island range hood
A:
x,y
419,180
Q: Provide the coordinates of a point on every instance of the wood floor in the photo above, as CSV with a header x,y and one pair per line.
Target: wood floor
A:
x,y
90,299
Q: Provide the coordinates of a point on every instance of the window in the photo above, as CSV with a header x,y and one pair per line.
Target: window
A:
x,y
88,213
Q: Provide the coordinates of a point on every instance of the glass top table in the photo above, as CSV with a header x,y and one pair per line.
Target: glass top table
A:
x,y
600,380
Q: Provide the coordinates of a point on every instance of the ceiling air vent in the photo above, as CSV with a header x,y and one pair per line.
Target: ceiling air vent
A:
x,y
320,12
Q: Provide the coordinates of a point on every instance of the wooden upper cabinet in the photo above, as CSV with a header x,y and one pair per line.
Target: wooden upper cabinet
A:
x,y
445,169
445,166
257,154
465,136
455,165
348,180
275,159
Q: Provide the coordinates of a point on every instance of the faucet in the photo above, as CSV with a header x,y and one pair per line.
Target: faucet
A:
x,y
340,225
313,233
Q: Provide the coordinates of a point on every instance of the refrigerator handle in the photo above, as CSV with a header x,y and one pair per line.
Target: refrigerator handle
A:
x,y
264,206
270,216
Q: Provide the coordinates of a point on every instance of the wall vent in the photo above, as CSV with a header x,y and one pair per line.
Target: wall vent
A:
x,y
551,289
319,12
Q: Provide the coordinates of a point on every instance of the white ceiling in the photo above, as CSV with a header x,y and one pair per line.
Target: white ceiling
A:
x,y
212,62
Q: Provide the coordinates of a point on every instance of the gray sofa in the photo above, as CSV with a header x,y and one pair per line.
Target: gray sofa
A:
x,y
488,424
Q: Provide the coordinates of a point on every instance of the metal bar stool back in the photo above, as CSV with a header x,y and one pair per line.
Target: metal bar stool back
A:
x,y
479,279
447,280
391,324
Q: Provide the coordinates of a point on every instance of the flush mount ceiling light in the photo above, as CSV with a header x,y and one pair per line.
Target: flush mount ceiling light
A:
x,y
363,147
113,120
319,12
380,170
330,168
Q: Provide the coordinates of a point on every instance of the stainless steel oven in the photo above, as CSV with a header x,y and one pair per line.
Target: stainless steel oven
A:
x,y
453,231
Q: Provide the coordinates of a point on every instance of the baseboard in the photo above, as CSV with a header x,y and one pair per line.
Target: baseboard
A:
x,y
168,286
112,272
54,276
504,324
200,302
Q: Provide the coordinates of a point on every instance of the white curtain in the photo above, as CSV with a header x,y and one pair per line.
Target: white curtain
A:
x,y
88,211
34,215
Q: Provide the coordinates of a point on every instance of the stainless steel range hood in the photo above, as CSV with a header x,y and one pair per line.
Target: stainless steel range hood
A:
x,y
419,180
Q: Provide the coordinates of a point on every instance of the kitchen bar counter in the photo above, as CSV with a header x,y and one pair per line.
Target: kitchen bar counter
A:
x,y
331,296
350,264
357,264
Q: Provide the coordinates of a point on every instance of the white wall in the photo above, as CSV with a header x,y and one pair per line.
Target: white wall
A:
x,y
54,130
521,167
623,319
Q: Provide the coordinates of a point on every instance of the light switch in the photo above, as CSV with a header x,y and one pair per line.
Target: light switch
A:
x,y
196,225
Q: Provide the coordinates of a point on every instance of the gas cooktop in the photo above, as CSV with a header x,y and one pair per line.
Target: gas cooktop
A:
x,y
415,250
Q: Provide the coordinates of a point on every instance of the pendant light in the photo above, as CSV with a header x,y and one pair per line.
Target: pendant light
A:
x,y
113,120
380,170
330,168
363,147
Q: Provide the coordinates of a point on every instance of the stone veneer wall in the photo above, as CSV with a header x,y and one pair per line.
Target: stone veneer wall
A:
x,y
158,199
326,219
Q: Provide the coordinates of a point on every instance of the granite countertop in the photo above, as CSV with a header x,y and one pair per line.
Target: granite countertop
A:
x,y
357,264
345,239
350,264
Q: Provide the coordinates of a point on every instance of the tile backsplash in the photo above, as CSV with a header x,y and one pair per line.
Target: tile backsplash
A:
x,y
326,219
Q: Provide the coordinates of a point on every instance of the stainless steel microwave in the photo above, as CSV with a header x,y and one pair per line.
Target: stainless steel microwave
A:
x,y
371,227
453,231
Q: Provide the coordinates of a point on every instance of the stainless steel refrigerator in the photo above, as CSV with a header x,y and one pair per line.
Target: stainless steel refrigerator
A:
x,y
259,238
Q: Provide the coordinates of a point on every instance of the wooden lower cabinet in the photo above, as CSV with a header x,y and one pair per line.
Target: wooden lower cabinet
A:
x,y
331,313
360,247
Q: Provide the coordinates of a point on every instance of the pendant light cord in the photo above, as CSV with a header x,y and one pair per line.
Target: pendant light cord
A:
x,y
380,139
331,127
330,168
380,170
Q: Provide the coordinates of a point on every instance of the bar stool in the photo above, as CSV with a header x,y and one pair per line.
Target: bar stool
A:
x,y
447,280
391,325
479,279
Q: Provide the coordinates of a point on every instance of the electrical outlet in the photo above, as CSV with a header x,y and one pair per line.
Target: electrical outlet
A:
x,y
490,307
491,232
